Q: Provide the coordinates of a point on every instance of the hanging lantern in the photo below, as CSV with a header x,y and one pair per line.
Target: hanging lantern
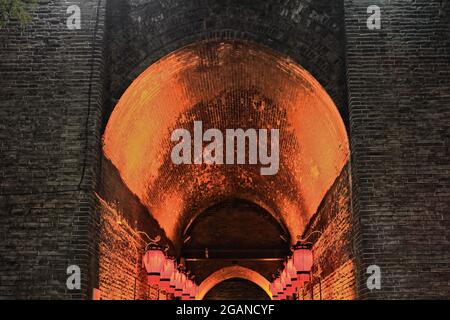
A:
x,y
278,288
303,278
173,281
274,291
179,285
283,294
303,261
292,272
283,281
288,289
187,289
166,274
193,291
153,262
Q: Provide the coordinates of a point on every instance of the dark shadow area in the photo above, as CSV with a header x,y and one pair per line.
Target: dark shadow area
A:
x,y
235,232
236,289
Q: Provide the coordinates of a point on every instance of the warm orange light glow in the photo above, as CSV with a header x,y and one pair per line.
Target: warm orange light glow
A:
x,y
226,85
231,273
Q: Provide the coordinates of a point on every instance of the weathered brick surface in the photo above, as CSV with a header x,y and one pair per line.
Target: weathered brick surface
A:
x,y
399,96
331,232
399,92
120,273
117,262
50,89
141,32
41,235
338,285
310,32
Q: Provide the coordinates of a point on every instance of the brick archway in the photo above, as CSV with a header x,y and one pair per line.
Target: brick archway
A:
x,y
226,84
59,86
310,32
230,273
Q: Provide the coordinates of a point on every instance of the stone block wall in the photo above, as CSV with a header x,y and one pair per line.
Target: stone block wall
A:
x,y
399,102
51,87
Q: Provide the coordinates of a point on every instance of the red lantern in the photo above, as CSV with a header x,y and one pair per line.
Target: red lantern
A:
x,y
193,291
278,287
283,295
274,291
173,281
166,274
303,278
288,289
153,261
179,285
187,289
303,258
292,272
303,261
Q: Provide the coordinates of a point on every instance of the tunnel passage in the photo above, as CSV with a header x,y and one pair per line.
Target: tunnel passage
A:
x,y
234,233
236,289
229,85
226,84
233,273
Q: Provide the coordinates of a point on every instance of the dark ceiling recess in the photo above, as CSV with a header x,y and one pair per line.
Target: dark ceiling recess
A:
x,y
236,289
235,232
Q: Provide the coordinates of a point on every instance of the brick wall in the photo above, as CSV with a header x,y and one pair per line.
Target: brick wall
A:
x,y
52,95
309,32
331,232
399,95
50,109
120,273
398,79
119,248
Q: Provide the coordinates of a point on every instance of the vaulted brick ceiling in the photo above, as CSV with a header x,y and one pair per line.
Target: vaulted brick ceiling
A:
x,y
228,84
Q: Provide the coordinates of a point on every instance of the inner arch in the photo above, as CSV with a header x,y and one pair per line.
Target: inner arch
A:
x,y
236,289
233,272
226,84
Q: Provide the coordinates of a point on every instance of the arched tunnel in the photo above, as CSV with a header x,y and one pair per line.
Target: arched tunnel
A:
x,y
219,149
227,220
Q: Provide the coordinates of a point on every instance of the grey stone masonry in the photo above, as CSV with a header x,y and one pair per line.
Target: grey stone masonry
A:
x,y
50,110
399,101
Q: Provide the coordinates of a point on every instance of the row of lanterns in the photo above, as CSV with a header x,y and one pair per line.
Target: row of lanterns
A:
x,y
296,272
163,272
